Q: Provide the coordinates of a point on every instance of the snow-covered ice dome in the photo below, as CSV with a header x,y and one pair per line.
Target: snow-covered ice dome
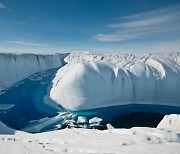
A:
x,y
91,80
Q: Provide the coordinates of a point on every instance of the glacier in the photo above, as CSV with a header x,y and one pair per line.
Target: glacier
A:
x,y
24,80
17,66
49,92
93,80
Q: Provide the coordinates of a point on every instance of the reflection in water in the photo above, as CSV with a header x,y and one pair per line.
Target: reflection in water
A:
x,y
139,119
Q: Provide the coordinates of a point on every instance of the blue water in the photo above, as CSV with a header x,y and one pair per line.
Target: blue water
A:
x,y
127,116
110,112
28,98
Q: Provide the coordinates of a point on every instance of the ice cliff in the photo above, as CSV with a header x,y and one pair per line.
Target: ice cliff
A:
x,y
94,80
15,67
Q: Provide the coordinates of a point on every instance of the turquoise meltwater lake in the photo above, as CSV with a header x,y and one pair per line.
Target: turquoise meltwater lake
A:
x,y
26,99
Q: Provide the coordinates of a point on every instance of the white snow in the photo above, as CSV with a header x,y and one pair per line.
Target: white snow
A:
x,y
15,67
81,141
95,120
81,120
171,122
94,80
40,124
109,126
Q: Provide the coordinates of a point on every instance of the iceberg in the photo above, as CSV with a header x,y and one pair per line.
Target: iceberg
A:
x,y
91,80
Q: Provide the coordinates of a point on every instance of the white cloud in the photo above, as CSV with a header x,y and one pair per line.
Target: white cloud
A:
x,y
2,6
114,37
151,21
26,43
135,26
153,13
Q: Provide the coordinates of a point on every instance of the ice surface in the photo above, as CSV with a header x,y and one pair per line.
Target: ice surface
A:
x,y
117,141
81,120
109,126
43,124
95,120
15,67
91,80
171,122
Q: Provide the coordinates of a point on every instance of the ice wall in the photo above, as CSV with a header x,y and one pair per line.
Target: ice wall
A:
x,y
15,67
94,80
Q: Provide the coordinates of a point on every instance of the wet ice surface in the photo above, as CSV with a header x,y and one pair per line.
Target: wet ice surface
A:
x,y
6,106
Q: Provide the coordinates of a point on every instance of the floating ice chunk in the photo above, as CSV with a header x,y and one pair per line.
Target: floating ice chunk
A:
x,y
81,120
45,123
109,126
95,120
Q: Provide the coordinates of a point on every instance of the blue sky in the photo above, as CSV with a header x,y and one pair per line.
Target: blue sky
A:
x,y
89,25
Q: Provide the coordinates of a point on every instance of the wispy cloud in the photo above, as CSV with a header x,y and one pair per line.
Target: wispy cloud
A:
x,y
144,24
32,18
10,10
2,6
26,43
